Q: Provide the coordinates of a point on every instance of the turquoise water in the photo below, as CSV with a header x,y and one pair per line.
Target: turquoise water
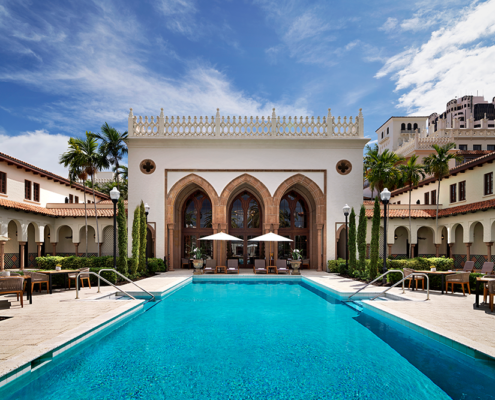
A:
x,y
257,341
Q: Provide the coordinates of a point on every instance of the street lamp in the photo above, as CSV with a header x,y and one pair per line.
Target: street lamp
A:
x,y
346,210
385,196
146,211
114,195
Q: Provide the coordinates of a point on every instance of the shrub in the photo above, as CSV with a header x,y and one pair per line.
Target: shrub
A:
x,y
421,264
156,265
375,240
361,240
143,229
49,262
122,236
352,241
343,269
136,224
333,265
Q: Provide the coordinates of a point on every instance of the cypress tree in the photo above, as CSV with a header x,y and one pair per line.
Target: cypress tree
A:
x,y
352,242
122,237
136,225
142,239
361,239
375,240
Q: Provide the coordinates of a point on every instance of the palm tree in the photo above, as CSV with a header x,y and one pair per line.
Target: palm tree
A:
x,y
122,171
411,173
72,159
88,158
382,168
438,166
113,146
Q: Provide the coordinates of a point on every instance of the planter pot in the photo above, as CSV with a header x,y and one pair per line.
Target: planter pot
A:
x,y
5,273
295,267
433,269
198,265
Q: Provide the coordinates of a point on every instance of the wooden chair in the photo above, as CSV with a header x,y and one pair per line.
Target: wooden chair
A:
x,y
260,266
491,293
232,266
468,267
282,267
13,285
485,286
418,279
461,278
83,277
305,263
38,279
210,267
185,262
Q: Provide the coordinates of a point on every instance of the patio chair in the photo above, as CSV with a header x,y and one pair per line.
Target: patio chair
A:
x,y
38,279
487,268
83,277
260,266
210,267
305,263
232,266
461,278
485,286
468,267
185,262
491,293
13,285
282,267
418,279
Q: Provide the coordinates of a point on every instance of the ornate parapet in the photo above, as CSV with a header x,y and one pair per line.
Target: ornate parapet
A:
x,y
246,127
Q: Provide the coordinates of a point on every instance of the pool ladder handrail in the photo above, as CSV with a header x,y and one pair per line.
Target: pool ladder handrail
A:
x,y
99,277
381,276
403,279
126,278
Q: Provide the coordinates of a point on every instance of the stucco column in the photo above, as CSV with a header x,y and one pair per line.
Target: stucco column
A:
x,y
489,251
76,247
468,251
170,247
22,244
437,254
451,245
2,255
320,248
39,244
390,249
54,252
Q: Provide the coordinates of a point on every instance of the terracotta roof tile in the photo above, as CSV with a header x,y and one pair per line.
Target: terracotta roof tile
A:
x,y
473,207
55,212
110,202
403,213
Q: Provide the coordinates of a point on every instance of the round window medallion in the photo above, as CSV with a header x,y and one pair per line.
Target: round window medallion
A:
x,y
147,166
343,167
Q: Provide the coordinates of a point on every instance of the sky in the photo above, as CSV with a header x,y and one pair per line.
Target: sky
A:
x,y
67,67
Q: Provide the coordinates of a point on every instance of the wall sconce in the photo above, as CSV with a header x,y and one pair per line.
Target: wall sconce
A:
x,y
68,237
443,237
48,236
396,237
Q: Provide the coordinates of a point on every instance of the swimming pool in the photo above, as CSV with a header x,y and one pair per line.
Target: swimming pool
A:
x,y
260,340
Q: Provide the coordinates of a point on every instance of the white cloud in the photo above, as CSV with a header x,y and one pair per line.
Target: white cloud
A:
x,y
456,60
43,148
389,25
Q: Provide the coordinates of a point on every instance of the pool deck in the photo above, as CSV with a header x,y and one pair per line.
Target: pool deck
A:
x,y
53,320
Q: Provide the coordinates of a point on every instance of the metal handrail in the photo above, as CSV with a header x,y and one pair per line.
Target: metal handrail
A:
x,y
382,275
125,277
95,274
403,279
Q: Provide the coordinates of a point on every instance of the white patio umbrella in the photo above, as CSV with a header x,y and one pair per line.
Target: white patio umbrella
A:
x,y
220,236
270,237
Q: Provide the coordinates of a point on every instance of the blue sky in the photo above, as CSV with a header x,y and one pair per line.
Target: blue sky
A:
x,y
67,67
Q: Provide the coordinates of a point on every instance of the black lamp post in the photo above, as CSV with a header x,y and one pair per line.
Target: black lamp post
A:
x,y
114,195
385,196
346,210
146,211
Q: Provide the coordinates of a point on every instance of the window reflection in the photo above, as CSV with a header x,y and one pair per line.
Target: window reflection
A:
x,y
237,215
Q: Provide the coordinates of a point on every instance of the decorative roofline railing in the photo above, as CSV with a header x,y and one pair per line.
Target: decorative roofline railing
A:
x,y
246,127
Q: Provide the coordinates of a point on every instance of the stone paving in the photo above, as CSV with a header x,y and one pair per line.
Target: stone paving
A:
x,y
53,319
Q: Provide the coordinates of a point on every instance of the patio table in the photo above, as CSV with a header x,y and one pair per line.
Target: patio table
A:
x,y
478,280
442,273
52,272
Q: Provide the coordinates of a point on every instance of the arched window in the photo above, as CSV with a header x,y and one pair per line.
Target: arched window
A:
x,y
409,127
294,224
197,223
415,126
245,223
402,127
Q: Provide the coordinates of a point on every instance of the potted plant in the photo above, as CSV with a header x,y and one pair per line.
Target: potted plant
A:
x,y
296,261
197,255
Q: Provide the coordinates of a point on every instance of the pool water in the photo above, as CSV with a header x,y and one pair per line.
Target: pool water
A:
x,y
269,340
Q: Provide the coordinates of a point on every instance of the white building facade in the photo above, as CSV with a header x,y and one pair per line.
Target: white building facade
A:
x,y
246,177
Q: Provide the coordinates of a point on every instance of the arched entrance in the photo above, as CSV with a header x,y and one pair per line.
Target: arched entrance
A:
x,y
293,224
197,223
245,223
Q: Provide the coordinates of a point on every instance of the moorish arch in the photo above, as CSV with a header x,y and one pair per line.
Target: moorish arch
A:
x,y
314,199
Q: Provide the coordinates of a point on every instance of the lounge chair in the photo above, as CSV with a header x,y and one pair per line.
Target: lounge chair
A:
x,y
260,266
13,285
461,278
282,267
418,278
487,268
468,267
305,263
232,266
210,267
83,277
38,279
